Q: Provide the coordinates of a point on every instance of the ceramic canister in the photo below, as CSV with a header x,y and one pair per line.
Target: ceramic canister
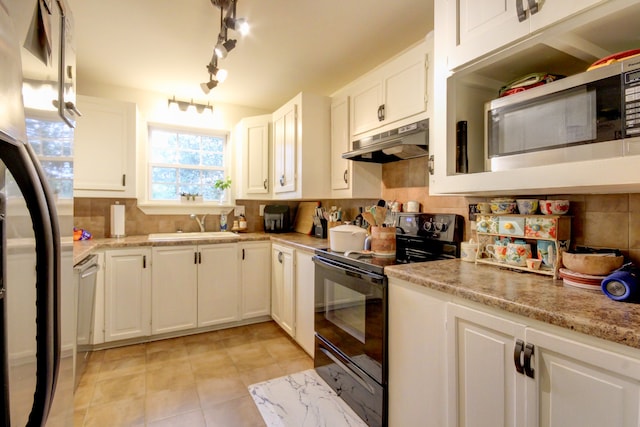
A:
x,y
468,251
383,241
517,253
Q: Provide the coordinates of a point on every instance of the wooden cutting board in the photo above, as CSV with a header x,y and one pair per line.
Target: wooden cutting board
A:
x,y
304,217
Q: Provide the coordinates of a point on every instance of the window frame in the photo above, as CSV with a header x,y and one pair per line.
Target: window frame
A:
x,y
180,206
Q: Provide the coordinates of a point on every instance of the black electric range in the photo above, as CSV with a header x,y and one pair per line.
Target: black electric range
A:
x,y
420,237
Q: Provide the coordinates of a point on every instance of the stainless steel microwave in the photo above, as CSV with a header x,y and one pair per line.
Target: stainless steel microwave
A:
x,y
588,116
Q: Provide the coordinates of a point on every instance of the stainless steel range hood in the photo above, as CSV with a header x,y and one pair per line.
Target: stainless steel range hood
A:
x,y
406,142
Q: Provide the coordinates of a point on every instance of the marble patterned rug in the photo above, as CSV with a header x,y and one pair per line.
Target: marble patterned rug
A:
x,y
302,399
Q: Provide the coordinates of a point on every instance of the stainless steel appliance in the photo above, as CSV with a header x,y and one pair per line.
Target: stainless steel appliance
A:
x,y
406,142
85,274
351,308
36,198
588,116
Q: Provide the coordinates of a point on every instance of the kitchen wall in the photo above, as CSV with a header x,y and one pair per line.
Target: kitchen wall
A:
x,y
599,220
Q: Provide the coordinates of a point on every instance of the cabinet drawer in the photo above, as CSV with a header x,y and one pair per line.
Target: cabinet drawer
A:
x,y
487,224
511,226
546,228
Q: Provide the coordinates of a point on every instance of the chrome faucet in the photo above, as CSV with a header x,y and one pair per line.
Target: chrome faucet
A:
x,y
200,221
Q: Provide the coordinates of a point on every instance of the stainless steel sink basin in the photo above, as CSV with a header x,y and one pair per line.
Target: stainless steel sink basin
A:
x,y
192,235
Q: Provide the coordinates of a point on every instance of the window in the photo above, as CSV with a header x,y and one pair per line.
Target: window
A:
x,y
186,162
52,141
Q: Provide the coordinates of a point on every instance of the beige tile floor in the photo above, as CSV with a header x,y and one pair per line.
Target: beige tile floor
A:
x,y
193,381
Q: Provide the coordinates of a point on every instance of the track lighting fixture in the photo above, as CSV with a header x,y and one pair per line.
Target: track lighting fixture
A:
x,y
184,105
224,45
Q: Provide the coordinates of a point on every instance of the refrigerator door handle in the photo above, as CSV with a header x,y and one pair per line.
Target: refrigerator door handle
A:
x,y
21,161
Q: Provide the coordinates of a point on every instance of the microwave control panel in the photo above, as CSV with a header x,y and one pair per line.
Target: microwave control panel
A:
x,y
631,85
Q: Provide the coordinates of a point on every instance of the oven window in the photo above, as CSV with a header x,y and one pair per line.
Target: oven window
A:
x,y
346,309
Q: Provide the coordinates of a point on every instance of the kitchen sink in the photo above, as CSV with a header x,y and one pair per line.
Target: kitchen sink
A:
x,y
192,235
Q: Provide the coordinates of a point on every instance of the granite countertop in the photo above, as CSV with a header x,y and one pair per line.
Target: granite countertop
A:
x,y
301,241
530,295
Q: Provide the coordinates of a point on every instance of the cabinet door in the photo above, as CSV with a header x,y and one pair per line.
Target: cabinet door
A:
x,y
284,140
552,11
366,101
580,385
218,286
486,389
255,275
405,87
282,288
256,140
104,138
174,293
418,393
305,300
127,294
340,143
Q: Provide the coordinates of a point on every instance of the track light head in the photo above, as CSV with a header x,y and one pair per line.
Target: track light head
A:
x,y
207,86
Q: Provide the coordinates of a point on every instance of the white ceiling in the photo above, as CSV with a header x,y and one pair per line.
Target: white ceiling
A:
x,y
295,45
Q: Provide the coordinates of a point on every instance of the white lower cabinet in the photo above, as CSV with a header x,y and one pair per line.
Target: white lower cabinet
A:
x,y
564,382
305,296
127,294
255,279
283,287
174,295
218,290
417,378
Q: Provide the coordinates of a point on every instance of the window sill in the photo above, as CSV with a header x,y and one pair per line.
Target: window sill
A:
x,y
179,208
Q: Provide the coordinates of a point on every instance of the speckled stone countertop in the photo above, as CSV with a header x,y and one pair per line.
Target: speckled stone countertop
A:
x,y
530,295
301,241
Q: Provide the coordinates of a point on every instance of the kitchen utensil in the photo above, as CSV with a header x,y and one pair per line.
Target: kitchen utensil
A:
x,y
379,215
369,218
304,217
347,237
579,280
594,264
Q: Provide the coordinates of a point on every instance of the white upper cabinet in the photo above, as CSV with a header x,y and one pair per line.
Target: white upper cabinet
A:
x,y
253,144
349,179
105,148
477,28
563,38
301,148
394,91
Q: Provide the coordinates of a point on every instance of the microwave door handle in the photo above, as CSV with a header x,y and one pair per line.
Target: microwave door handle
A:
x,y
18,158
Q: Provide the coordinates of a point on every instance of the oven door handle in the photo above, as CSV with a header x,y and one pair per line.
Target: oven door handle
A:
x,y
351,369
351,271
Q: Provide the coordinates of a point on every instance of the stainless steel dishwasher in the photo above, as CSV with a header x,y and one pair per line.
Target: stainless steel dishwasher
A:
x,y
85,275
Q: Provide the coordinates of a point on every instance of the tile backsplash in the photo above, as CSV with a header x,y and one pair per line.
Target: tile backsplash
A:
x,y
599,220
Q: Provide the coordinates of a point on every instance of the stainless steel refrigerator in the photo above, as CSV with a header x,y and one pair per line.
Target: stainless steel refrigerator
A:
x,y
37,295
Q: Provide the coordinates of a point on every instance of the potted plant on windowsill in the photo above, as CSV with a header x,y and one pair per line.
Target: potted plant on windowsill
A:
x,y
222,185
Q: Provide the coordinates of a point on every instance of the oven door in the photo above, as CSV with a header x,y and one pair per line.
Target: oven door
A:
x,y
350,314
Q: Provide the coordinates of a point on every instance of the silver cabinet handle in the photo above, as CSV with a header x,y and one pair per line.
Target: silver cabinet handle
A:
x,y
522,14
280,257
534,7
282,180
344,176
264,183
431,165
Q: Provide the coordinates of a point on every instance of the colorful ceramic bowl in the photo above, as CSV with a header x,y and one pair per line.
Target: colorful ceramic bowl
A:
x,y
503,207
554,207
527,206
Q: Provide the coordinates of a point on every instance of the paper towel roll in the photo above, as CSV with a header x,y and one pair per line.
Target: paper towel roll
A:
x,y
117,221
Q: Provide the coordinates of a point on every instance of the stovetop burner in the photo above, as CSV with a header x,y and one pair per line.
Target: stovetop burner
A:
x,y
419,238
